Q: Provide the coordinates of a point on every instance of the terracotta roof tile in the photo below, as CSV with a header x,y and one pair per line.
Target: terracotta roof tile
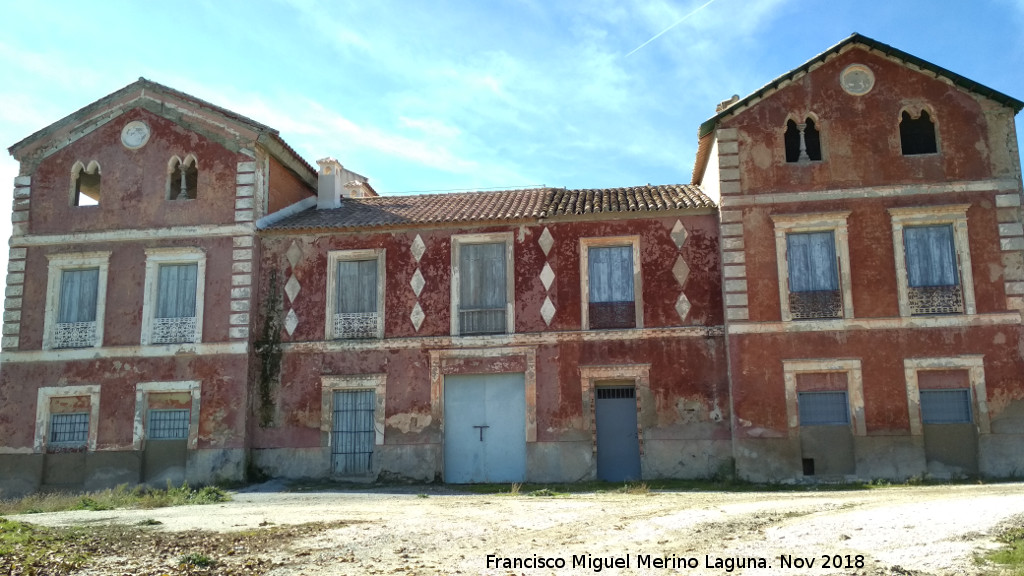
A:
x,y
506,205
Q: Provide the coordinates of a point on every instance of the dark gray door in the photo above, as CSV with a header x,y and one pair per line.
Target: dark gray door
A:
x,y
166,453
484,428
618,446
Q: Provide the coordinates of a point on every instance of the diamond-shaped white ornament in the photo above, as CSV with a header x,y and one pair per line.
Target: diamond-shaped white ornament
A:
x,y
418,248
682,307
294,254
291,320
417,316
546,241
417,282
547,276
291,288
547,311
678,234
681,271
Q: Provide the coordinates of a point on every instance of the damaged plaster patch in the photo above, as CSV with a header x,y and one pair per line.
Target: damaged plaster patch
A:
x,y
409,422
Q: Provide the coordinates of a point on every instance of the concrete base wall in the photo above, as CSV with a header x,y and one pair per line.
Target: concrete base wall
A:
x,y
768,459
560,461
889,457
20,474
293,463
686,459
420,462
211,465
108,469
1001,455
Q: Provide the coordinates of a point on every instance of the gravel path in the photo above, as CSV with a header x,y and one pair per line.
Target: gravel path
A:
x,y
431,530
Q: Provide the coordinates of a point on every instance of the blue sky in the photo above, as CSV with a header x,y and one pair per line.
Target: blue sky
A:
x,y
473,94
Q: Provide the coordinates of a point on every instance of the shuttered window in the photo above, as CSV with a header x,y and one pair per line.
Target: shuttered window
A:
x,y
946,406
612,301
352,433
176,294
355,306
482,288
823,408
78,295
931,256
813,275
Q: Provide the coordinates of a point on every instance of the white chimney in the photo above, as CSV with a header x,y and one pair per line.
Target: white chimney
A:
x,y
330,184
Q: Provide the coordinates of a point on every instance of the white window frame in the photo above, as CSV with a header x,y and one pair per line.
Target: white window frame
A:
x,y
854,389
835,222
638,284
60,262
953,214
457,242
43,397
334,257
155,257
142,392
974,364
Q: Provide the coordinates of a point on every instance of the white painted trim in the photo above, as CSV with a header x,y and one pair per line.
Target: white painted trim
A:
x,y
975,366
43,412
993,185
854,389
142,392
510,293
331,384
81,260
152,351
954,214
852,324
336,256
291,210
813,222
176,233
155,257
638,281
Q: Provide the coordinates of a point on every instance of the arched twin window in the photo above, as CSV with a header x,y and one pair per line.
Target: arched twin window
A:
x,y
85,184
803,141
182,178
917,135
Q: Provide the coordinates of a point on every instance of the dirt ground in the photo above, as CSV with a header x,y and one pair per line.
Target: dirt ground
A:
x,y
431,530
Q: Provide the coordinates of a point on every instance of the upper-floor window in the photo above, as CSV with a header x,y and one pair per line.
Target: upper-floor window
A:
x,y
814,265
482,284
610,272
917,135
803,142
75,302
172,307
85,184
933,271
355,294
182,178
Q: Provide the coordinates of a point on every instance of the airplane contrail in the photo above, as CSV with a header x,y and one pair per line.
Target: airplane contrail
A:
x,y
677,23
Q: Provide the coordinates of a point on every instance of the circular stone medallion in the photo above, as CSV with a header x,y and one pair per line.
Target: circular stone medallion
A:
x,y
857,79
135,134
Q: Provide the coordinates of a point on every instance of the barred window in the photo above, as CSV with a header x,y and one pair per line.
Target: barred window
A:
x,y
946,406
823,408
69,429
352,432
933,281
168,424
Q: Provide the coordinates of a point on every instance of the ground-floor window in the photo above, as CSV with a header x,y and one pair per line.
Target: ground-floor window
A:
x,y
949,406
823,408
69,430
168,424
352,433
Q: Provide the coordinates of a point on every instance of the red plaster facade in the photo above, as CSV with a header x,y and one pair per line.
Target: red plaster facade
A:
x,y
715,373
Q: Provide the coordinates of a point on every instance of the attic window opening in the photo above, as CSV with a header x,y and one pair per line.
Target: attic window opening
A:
x,y
86,184
183,178
917,135
803,142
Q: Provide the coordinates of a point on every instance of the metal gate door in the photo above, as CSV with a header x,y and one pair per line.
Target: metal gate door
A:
x,y
352,434
618,447
484,428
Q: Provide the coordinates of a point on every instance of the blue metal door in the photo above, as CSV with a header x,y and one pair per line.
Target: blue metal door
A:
x,y
484,428
618,446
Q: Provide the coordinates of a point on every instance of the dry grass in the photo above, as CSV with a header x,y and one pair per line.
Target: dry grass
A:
x,y
120,497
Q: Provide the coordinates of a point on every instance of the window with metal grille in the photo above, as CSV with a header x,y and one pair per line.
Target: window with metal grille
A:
x,y
946,406
168,424
482,288
612,303
175,318
355,307
76,314
609,392
69,429
933,281
813,275
823,408
352,434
